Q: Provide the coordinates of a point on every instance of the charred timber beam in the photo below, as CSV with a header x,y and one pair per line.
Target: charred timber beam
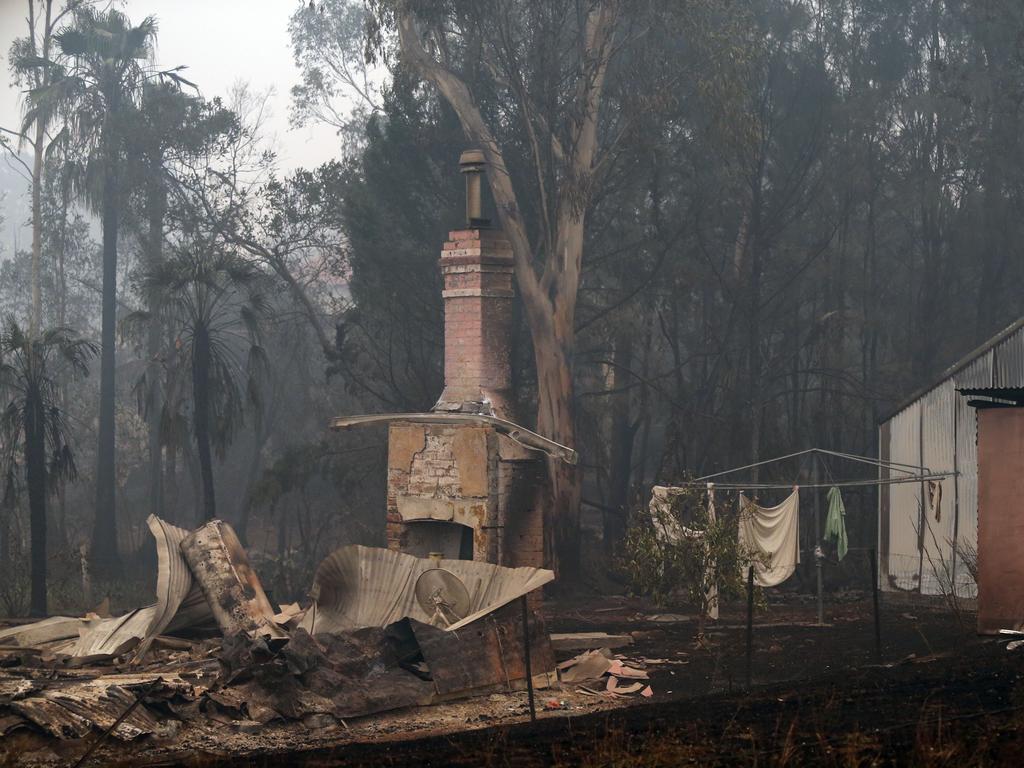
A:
x,y
231,587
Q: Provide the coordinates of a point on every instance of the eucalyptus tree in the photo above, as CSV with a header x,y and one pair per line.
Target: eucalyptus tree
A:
x,y
550,93
212,302
97,74
29,60
35,432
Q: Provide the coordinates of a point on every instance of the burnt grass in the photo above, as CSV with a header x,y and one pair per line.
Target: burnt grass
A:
x,y
942,697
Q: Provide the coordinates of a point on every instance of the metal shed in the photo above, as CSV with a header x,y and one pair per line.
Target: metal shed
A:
x,y
935,428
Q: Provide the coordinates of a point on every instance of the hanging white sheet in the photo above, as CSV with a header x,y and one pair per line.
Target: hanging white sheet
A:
x,y
774,531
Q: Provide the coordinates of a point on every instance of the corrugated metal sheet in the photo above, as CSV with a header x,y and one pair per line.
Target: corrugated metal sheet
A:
x,y
977,373
1008,362
966,496
937,454
904,556
360,586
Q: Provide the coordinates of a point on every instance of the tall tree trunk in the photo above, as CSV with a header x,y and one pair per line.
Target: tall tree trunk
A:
x,y
36,319
106,561
35,479
201,416
251,475
170,485
38,146
156,205
549,296
622,434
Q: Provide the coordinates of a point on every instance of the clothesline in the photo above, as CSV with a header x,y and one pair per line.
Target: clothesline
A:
x,y
896,466
839,484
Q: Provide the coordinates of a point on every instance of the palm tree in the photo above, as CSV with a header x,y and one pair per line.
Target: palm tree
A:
x,y
213,303
96,77
168,125
33,427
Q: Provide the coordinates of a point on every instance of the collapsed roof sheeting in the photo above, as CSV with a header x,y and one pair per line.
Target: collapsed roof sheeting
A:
x,y
179,604
173,579
40,633
360,586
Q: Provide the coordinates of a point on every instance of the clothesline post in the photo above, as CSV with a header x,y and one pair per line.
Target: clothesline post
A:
x,y
526,659
874,596
750,621
818,554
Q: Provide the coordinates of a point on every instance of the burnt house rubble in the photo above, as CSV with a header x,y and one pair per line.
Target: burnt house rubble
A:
x,y
441,613
383,630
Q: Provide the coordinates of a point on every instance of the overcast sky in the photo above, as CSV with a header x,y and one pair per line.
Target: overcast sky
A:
x,y
221,42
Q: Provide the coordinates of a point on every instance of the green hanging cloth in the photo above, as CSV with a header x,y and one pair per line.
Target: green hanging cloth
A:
x,y
835,524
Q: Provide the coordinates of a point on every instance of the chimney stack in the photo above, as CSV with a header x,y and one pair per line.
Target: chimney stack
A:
x,y
476,264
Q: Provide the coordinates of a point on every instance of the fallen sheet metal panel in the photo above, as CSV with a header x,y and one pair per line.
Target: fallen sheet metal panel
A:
x,y
73,709
53,629
360,586
173,578
114,636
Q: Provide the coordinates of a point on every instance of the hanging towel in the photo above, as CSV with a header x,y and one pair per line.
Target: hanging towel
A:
x,y
774,531
835,523
935,499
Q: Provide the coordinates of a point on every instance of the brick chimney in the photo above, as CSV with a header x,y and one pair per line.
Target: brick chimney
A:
x,y
464,489
478,290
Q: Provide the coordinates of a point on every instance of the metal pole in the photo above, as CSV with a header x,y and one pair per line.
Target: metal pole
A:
x,y
750,621
526,656
874,596
818,555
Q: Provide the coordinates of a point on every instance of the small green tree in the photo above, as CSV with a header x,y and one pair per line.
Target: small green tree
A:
x,y
33,431
677,553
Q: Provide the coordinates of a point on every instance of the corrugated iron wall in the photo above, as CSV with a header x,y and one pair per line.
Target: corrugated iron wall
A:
x,y
977,374
904,555
939,431
937,453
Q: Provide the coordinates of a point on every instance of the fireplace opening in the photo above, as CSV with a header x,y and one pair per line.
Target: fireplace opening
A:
x,y
453,540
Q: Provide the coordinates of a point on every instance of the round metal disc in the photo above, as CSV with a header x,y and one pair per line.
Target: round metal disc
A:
x,y
442,596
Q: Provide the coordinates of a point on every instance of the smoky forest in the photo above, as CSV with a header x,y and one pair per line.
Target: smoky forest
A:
x,y
511,283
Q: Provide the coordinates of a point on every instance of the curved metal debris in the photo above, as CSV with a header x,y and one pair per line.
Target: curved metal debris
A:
x,y
521,435
359,586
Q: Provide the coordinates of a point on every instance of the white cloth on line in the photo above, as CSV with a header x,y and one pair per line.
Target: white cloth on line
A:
x,y
669,529
775,531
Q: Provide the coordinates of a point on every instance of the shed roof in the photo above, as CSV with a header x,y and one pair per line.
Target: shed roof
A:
x,y
998,397
954,369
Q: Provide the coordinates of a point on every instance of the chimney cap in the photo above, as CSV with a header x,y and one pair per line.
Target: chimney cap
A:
x,y
472,161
